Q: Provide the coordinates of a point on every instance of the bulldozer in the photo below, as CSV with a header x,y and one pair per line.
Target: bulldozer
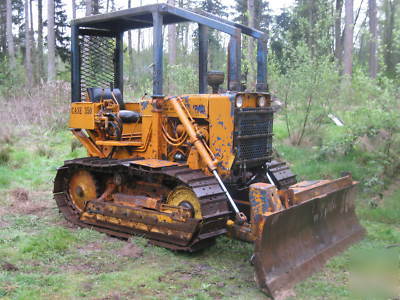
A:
x,y
182,170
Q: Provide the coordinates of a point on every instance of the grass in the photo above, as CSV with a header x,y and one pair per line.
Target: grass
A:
x,y
43,257
34,166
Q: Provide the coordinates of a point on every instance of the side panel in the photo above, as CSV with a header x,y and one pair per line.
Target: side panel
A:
x,y
82,115
221,117
197,105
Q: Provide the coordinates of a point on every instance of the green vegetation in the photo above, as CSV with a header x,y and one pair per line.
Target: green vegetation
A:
x,y
43,257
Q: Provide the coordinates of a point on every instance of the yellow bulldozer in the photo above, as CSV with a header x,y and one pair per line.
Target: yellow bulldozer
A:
x,y
182,170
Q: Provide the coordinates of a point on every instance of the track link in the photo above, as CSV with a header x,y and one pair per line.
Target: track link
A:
x,y
213,202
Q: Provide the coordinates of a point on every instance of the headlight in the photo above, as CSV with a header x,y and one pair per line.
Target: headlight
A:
x,y
239,101
261,101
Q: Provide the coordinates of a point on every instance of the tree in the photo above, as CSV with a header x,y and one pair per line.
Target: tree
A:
x,y
314,26
214,38
348,38
251,13
338,30
388,39
88,7
28,46
18,6
95,7
171,40
61,30
40,39
51,41
3,27
112,5
139,34
373,30
10,38
32,43
130,50
73,9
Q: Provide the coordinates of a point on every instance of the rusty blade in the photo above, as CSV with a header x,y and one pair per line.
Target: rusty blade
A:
x,y
296,242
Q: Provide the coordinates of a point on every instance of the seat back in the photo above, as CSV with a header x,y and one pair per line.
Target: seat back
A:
x,y
96,94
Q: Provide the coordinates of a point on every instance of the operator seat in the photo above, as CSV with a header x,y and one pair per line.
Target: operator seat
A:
x,y
96,94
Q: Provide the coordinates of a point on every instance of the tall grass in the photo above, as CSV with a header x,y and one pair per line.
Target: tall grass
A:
x,y
35,111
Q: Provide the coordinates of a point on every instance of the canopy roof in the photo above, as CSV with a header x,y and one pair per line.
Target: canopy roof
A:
x,y
142,17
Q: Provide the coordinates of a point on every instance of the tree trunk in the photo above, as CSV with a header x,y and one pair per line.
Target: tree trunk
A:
x,y
348,39
95,7
252,70
139,34
35,69
373,30
388,40
88,7
171,50
51,42
40,39
130,50
28,54
171,40
338,30
73,9
10,38
3,27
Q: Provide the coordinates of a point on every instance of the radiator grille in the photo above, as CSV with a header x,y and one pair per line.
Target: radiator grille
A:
x,y
253,126
253,135
97,65
254,149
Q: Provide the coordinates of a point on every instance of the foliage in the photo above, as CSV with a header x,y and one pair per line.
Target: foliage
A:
x,y
262,13
61,28
61,31
12,79
307,90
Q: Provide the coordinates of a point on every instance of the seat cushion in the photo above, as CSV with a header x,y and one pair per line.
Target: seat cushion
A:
x,y
96,94
129,116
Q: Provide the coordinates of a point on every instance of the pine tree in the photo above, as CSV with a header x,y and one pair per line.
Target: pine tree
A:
x,y
61,31
18,21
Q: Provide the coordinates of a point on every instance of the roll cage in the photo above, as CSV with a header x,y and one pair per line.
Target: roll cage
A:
x,y
97,47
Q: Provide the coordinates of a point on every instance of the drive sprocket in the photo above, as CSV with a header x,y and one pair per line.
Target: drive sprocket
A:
x,y
82,187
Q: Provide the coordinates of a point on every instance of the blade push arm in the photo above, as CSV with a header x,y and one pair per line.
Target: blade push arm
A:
x,y
205,152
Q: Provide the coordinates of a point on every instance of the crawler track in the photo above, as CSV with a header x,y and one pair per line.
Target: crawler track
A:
x,y
202,233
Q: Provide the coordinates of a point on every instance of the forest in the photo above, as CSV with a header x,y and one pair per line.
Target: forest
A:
x,y
334,73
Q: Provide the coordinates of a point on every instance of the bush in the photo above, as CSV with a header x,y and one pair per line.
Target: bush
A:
x,y
307,89
310,88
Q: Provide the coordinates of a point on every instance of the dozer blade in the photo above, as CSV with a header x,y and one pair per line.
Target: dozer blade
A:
x,y
295,242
